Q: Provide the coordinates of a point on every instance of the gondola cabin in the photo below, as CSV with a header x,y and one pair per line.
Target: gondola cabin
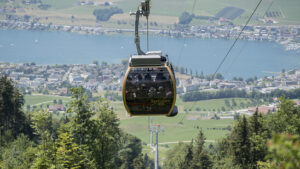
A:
x,y
149,86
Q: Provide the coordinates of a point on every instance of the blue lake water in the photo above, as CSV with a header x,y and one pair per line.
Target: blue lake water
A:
x,y
247,59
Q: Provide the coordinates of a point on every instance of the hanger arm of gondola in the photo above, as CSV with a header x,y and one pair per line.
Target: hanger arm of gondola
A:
x,y
143,10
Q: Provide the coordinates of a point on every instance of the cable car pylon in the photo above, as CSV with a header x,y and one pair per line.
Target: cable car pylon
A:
x,y
156,129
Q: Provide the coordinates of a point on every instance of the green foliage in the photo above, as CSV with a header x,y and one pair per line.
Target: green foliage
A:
x,y
286,119
201,158
219,76
89,139
99,130
190,156
106,136
246,145
185,18
71,155
45,157
188,159
105,14
176,156
259,136
232,93
12,119
227,93
240,144
19,154
284,151
82,123
130,151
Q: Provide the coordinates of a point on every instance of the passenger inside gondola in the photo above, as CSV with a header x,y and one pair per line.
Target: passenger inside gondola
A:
x,y
148,77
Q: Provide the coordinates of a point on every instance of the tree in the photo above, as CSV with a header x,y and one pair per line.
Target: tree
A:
x,y
130,150
259,136
201,158
284,151
82,123
286,119
190,156
71,155
185,18
60,101
19,154
233,103
96,62
176,156
240,144
12,118
105,14
188,159
147,162
106,135
219,76
45,156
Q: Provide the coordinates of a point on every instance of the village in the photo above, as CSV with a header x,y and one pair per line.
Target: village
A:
x,y
97,78
286,35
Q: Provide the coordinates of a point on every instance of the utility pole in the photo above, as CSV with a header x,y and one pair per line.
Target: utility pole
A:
x,y
151,132
157,130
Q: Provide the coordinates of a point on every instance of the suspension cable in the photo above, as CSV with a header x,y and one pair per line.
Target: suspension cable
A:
x,y
232,46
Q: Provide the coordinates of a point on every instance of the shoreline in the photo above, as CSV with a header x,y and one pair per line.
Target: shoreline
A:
x,y
290,44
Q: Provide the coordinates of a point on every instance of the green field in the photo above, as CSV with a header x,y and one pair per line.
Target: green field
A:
x,y
164,12
44,100
177,128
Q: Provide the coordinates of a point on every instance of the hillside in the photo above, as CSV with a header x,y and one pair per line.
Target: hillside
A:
x,y
164,13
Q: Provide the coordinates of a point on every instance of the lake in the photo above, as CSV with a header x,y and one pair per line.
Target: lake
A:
x,y
247,59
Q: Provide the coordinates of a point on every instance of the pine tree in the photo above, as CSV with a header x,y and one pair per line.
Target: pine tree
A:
x,y
138,162
201,158
45,157
82,123
106,135
131,148
176,156
188,159
12,118
148,163
241,144
259,136
71,155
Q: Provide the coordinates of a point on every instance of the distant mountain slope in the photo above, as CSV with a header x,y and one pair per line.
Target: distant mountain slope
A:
x,y
165,12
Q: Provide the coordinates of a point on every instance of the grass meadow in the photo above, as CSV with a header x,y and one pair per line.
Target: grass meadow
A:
x,y
164,12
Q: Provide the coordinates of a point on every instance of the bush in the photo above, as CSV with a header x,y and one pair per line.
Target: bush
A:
x,y
185,18
105,14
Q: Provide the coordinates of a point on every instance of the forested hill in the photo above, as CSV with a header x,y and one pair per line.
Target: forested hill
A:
x,y
88,136
260,141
